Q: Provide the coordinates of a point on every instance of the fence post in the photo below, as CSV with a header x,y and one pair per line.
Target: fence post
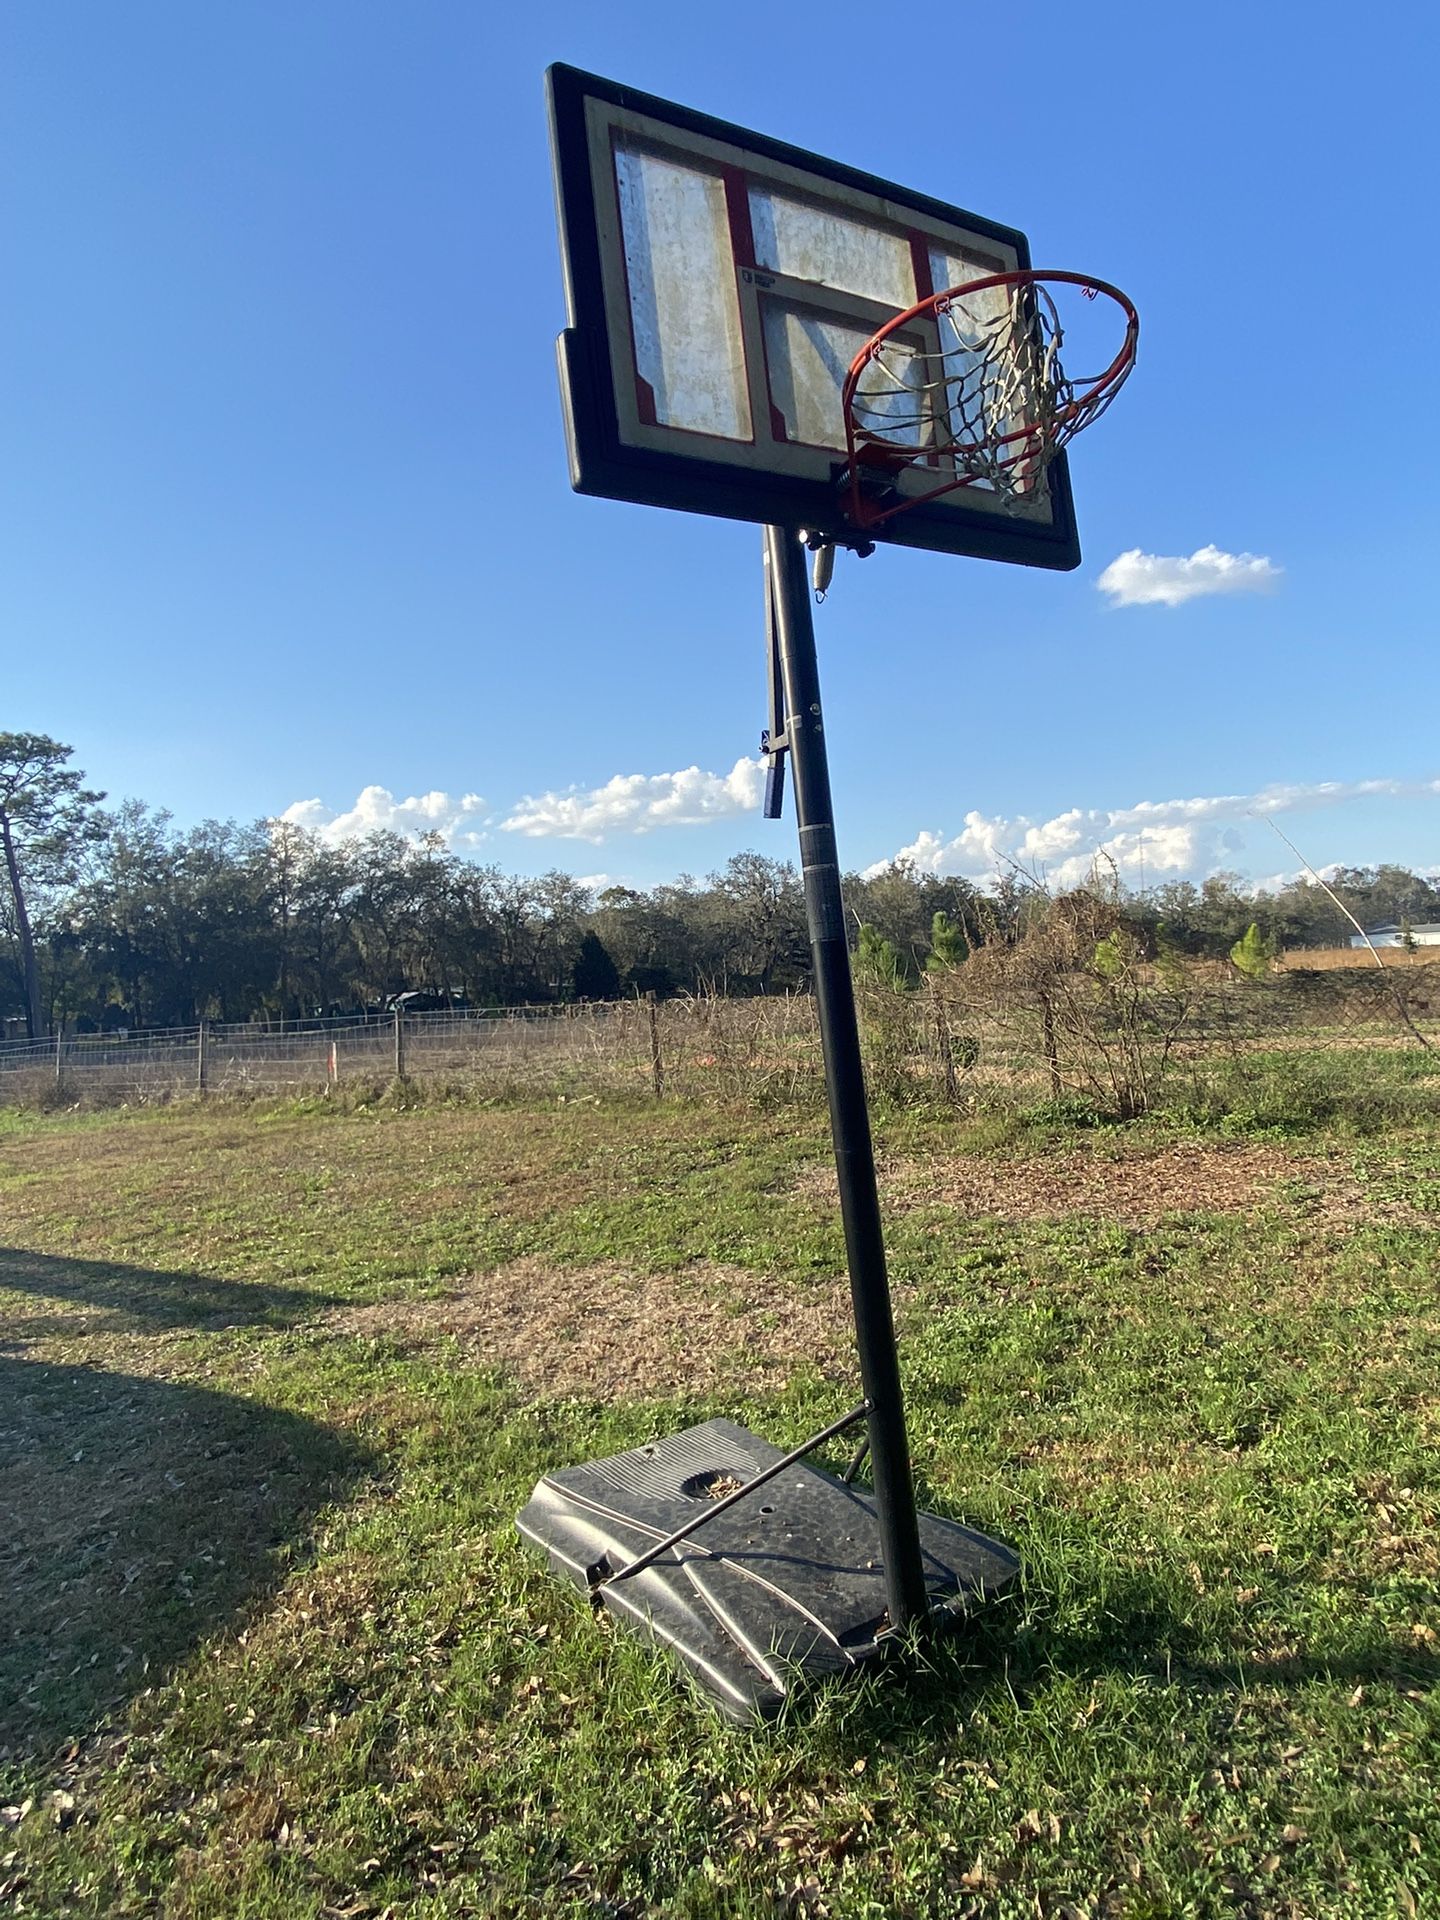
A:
x,y
59,1055
334,1062
399,1045
657,1064
1052,1052
202,1061
942,1043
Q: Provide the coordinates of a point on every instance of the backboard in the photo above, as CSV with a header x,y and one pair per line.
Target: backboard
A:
x,y
718,286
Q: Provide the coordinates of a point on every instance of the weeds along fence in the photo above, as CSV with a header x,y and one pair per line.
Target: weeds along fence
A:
x,y
1013,1029
689,1047
1064,1015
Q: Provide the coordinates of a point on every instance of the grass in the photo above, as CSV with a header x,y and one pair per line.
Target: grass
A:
x,y
272,1647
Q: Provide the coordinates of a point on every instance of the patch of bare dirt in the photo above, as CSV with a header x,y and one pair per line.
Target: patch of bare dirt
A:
x,y
1144,1186
605,1333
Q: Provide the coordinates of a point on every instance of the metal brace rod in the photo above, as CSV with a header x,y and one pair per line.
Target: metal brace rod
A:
x,y
731,1499
774,741
859,1460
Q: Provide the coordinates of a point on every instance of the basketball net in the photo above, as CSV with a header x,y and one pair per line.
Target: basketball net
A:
x,y
968,388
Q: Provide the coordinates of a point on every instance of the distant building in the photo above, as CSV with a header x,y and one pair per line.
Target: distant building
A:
x,y
1425,933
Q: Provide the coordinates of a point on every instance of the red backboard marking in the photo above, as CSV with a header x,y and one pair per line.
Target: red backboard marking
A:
x,y
742,246
924,287
737,212
920,266
778,429
645,402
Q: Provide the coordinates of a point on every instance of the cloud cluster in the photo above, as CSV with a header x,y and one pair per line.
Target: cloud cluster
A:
x,y
638,802
459,821
1162,839
630,803
1139,579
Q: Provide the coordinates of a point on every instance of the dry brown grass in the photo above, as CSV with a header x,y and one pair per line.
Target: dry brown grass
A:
x,y
604,1333
1343,959
1146,1185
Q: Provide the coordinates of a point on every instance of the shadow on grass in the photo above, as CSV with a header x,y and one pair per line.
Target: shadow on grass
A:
x,y
147,1299
137,1517
1137,1628
1022,1647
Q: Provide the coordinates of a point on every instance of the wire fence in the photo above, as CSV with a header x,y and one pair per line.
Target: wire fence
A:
x,y
944,1036
681,1047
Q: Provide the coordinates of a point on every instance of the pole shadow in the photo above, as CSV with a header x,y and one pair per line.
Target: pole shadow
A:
x,y
1020,1647
145,1299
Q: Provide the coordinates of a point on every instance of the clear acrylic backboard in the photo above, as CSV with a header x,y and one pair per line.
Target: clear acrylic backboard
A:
x,y
719,284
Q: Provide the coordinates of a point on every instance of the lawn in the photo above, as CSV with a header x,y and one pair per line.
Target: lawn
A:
x,y
273,1384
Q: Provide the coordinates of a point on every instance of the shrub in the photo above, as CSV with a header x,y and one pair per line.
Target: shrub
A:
x,y
1252,954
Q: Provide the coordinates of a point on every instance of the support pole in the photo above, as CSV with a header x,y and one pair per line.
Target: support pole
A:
x,y
789,592
399,1044
202,1052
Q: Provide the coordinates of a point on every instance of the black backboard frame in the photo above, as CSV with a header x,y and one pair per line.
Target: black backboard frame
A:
x,y
603,464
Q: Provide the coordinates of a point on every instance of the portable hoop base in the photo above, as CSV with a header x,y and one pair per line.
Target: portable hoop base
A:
x,y
748,1564
785,1586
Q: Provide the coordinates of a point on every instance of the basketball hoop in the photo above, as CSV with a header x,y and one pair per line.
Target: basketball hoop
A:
x,y
967,389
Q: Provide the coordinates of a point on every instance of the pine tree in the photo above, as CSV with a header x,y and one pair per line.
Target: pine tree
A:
x,y
880,958
948,946
1252,954
46,817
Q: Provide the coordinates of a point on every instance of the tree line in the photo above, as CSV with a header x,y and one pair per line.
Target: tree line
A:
x,y
116,917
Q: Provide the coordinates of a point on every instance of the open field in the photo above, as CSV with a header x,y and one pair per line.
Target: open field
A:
x,y
273,1382
1343,959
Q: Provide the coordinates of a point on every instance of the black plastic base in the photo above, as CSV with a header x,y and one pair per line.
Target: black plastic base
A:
x,y
785,1585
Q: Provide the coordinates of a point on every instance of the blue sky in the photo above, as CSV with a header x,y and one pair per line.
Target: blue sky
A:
x,y
285,518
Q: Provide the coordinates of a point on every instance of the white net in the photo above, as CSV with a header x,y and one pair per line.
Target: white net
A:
x,y
989,406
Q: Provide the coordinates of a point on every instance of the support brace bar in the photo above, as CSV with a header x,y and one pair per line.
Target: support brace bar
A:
x,y
703,1519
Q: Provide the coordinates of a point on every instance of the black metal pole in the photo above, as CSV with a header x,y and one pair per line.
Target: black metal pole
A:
x,y
789,590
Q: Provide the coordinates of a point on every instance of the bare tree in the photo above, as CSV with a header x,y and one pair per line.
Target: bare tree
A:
x,y
1081,982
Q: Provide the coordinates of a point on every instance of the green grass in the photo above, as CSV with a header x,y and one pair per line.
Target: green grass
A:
x,y
272,1646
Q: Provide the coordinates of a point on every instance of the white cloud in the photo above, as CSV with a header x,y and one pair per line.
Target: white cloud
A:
x,y
459,821
638,802
1161,839
1139,579
630,803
